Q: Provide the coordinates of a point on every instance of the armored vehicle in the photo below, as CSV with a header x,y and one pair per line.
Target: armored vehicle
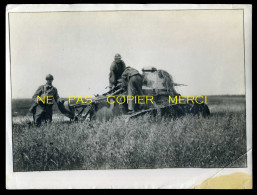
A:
x,y
158,85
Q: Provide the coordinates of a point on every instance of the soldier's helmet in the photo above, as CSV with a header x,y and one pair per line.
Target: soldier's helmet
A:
x,y
117,56
49,77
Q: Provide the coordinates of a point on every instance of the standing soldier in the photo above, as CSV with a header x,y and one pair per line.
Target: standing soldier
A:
x,y
132,80
117,68
42,110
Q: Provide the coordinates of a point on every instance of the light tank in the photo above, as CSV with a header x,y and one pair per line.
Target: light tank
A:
x,y
157,84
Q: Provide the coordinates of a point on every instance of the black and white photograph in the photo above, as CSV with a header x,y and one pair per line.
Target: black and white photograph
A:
x,y
130,89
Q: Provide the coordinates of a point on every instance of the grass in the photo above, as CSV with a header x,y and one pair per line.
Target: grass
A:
x,y
146,142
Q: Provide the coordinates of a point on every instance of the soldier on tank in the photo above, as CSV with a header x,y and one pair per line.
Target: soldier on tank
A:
x,y
42,110
117,68
132,80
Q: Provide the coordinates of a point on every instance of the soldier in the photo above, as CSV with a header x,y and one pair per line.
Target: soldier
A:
x,y
43,110
132,80
117,68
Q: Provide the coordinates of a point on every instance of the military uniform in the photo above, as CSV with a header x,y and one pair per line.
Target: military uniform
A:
x,y
116,71
43,111
132,79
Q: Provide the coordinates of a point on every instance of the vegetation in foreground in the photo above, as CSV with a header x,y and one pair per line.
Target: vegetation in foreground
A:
x,y
217,141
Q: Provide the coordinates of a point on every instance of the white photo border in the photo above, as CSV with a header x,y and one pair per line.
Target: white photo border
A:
x,y
175,178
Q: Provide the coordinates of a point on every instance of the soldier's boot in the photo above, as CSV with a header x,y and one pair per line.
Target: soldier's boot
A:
x,y
38,122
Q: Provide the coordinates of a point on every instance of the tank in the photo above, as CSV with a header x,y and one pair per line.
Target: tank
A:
x,y
157,84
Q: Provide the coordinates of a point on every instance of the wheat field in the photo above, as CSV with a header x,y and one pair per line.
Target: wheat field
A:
x,y
144,142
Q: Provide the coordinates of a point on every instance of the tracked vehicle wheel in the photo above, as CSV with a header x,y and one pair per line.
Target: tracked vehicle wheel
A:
x,y
200,110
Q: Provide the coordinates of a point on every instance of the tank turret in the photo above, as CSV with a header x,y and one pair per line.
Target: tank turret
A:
x,y
158,82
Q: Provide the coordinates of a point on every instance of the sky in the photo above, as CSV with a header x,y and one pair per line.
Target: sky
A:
x,y
203,49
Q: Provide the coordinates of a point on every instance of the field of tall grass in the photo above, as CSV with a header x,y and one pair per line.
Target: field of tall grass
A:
x,y
145,142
